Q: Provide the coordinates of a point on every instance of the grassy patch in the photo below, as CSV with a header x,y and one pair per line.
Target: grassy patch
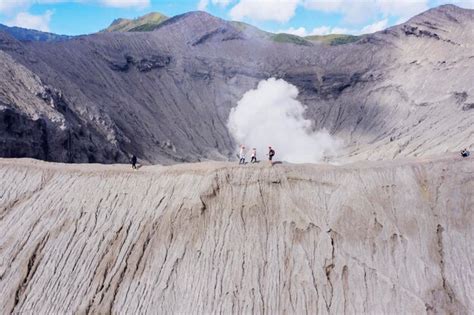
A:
x,y
288,38
144,23
333,39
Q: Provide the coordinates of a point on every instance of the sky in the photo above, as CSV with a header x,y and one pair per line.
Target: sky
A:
x,y
299,17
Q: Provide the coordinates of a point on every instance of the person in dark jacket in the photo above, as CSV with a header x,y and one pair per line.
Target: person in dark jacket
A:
x,y
270,154
133,160
465,153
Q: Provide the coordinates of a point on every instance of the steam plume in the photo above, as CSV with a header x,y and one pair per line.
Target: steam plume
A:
x,y
271,115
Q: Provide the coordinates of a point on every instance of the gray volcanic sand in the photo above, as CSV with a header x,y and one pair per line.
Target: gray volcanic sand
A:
x,y
376,237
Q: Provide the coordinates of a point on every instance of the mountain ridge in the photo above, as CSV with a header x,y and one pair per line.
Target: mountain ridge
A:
x,y
152,20
147,22
24,34
141,24
166,95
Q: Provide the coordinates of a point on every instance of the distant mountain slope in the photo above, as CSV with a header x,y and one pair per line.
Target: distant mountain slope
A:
x,y
36,121
24,34
166,95
152,21
144,23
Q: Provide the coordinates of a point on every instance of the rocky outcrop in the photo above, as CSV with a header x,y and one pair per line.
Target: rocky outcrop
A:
x,y
145,23
36,120
380,237
144,64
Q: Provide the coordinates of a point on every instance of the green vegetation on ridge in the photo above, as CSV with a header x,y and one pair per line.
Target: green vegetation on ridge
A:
x,y
151,21
333,39
289,38
145,23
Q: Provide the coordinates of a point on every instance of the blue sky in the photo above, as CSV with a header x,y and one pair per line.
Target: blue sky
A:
x,y
301,17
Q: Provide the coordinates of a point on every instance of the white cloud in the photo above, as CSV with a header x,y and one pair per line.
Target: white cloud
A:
x,y
126,3
301,31
467,4
10,6
7,5
202,4
265,10
354,12
222,3
404,9
327,30
368,29
36,22
321,30
375,27
325,6
342,30
357,12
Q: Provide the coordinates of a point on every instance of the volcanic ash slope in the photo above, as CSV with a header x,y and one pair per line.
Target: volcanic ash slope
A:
x,y
166,95
395,237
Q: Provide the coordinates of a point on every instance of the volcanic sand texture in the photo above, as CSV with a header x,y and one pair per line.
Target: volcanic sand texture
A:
x,y
380,237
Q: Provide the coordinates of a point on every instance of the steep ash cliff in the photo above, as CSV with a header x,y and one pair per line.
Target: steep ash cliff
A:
x,y
389,237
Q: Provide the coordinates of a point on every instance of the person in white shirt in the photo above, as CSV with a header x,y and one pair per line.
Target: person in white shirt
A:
x,y
242,155
254,156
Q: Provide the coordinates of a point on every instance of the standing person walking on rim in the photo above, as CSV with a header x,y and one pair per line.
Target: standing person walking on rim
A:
x,y
133,160
270,154
242,154
254,156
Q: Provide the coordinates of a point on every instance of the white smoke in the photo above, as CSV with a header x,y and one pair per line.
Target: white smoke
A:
x,y
271,115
